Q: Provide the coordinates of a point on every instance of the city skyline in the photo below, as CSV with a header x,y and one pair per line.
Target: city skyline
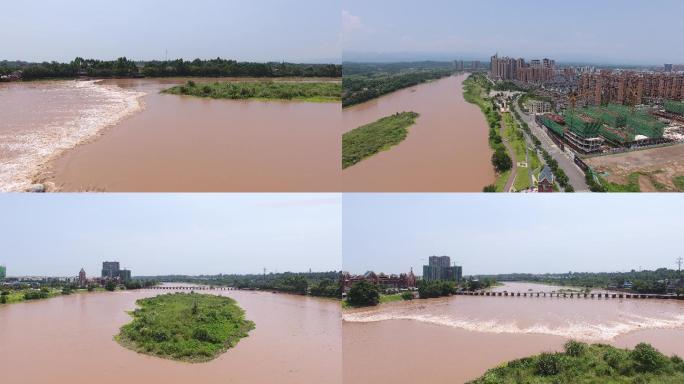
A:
x,y
491,234
609,32
269,30
170,234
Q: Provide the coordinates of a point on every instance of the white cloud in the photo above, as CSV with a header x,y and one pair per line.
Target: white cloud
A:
x,y
350,22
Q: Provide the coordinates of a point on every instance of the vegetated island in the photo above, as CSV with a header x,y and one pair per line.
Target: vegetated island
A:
x,y
584,364
313,92
187,327
372,138
366,81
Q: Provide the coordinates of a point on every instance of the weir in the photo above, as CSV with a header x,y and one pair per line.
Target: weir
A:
x,y
571,295
199,288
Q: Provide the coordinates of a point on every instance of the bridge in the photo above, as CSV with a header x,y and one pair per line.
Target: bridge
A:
x,y
190,288
572,295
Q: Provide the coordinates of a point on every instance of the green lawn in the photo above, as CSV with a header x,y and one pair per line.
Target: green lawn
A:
x,y
189,327
315,92
370,139
590,364
514,135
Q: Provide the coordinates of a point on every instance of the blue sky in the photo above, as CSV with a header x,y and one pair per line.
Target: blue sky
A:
x,y
264,30
153,234
605,31
503,233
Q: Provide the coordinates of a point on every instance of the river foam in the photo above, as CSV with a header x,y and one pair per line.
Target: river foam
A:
x,y
589,329
43,119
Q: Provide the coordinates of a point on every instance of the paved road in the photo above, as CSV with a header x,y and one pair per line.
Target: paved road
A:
x,y
575,174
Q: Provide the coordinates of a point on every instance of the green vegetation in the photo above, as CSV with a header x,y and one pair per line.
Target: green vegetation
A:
x,y
642,281
185,326
262,90
363,294
585,364
363,81
370,139
433,289
516,138
123,67
475,89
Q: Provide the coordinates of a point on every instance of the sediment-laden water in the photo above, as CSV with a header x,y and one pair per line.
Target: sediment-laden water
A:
x,y
69,339
40,120
445,151
476,333
175,144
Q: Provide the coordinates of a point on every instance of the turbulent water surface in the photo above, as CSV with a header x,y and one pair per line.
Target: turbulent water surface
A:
x,y
39,120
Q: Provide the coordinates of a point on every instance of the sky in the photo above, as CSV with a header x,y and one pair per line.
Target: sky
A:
x,y
493,234
605,31
158,234
264,30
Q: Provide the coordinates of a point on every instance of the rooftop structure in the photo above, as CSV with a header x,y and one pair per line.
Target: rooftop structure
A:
x,y
391,282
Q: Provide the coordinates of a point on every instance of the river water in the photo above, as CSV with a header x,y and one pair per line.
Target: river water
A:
x,y
138,140
39,120
445,151
476,333
69,339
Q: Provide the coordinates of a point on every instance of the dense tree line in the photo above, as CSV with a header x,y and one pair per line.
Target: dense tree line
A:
x,y
363,82
124,67
316,283
642,281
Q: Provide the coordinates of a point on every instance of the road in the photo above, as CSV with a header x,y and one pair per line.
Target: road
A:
x,y
567,164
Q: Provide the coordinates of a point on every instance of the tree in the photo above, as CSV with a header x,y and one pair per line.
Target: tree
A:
x,y
363,294
501,161
489,188
110,286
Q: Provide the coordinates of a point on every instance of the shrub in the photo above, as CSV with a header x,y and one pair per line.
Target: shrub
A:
x,y
574,348
549,364
489,188
647,358
407,296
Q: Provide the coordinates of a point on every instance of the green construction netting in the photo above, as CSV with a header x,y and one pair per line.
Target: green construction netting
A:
x,y
674,107
552,125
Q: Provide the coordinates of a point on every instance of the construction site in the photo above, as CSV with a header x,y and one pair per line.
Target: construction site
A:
x,y
606,129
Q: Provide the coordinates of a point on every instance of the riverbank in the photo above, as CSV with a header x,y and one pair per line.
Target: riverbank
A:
x,y
446,151
236,146
363,142
582,363
323,92
24,295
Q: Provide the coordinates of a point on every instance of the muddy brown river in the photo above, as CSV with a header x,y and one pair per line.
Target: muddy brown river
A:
x,y
445,151
69,339
401,342
124,136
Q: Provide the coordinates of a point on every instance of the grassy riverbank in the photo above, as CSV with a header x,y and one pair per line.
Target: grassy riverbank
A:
x,y
312,92
21,295
370,139
584,364
475,90
185,326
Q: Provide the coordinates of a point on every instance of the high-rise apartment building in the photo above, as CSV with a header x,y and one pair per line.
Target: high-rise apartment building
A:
x,y
110,269
629,87
3,272
537,71
440,268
